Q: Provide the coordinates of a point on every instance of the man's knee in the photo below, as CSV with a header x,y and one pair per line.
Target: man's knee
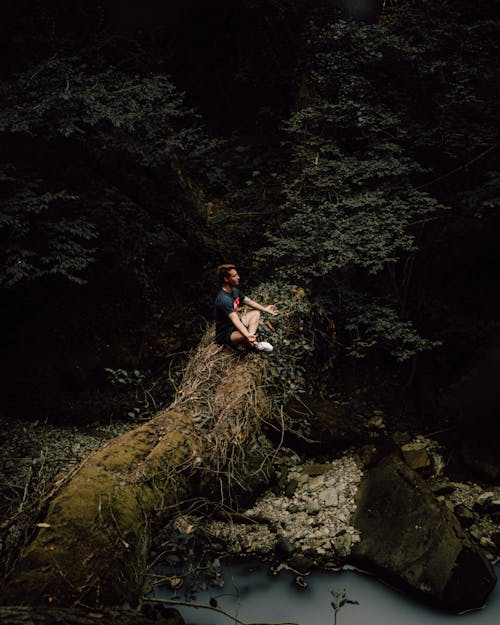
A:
x,y
235,338
254,315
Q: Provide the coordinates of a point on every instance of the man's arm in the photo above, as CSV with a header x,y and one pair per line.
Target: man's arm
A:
x,y
271,309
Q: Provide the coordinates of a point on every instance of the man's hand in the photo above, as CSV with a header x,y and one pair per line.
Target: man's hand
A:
x,y
272,310
251,339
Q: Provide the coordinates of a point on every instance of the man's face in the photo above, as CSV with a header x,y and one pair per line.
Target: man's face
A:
x,y
233,278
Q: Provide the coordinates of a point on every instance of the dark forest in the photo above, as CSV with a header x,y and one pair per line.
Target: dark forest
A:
x,y
349,150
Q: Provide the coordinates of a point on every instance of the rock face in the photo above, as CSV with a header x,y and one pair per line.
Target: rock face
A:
x,y
415,542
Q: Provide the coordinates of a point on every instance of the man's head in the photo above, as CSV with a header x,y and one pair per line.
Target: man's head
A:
x,y
227,274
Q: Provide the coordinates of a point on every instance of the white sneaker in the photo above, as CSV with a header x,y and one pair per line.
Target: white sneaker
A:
x,y
263,346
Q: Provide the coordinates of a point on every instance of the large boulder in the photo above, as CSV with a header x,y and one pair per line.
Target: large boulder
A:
x,y
415,542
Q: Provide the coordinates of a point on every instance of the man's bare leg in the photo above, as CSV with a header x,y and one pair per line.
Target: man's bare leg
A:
x,y
251,320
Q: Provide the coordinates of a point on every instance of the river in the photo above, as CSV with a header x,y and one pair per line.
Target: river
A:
x,y
252,594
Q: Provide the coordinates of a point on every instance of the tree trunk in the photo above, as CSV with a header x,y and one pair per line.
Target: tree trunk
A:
x,y
91,548
24,615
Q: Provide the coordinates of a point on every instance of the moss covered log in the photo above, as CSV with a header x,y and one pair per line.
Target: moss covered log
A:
x,y
24,615
91,546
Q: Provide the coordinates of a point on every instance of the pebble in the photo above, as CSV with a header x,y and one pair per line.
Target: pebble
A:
x,y
316,517
320,507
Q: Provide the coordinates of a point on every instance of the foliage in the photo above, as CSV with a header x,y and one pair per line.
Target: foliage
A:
x,y
41,233
135,381
355,201
135,161
379,326
485,198
291,361
351,196
90,129
106,108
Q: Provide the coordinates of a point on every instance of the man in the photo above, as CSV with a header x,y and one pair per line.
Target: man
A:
x,y
230,329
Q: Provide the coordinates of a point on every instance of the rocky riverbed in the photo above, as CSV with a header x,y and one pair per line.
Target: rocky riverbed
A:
x,y
310,520
308,517
313,515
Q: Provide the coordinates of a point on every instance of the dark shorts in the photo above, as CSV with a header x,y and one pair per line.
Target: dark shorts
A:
x,y
224,337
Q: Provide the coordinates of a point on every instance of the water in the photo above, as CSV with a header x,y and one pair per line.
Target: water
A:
x,y
255,596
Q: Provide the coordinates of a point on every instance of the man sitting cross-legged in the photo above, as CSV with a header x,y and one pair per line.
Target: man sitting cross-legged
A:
x,y
230,328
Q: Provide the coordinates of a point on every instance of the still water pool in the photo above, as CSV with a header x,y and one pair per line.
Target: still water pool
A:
x,y
255,596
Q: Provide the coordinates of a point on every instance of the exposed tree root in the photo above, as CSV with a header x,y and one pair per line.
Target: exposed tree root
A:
x,y
90,548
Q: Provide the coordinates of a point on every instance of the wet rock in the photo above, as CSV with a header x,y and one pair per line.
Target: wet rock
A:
x,y
465,515
487,543
264,550
284,548
401,438
329,497
415,542
316,483
300,563
378,448
300,581
307,522
416,456
443,488
343,544
316,469
291,487
484,501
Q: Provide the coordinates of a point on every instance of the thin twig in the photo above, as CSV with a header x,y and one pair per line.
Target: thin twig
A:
x,y
459,168
205,606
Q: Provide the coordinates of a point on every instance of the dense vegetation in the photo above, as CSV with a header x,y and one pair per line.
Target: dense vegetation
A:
x,y
139,148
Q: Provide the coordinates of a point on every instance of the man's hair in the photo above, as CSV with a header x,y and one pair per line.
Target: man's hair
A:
x,y
222,272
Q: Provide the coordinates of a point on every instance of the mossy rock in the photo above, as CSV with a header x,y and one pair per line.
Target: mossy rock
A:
x,y
413,541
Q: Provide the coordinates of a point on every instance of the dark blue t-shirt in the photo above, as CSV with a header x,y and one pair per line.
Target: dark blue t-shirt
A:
x,y
225,304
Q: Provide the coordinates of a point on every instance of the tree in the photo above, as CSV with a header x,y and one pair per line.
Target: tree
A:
x,y
384,108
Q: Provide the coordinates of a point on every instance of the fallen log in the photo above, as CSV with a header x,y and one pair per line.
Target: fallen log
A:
x,y
91,547
26,615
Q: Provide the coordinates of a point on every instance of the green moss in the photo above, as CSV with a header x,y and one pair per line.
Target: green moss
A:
x,y
407,534
95,544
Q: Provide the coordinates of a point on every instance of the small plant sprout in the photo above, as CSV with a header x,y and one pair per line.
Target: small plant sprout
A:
x,y
338,601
